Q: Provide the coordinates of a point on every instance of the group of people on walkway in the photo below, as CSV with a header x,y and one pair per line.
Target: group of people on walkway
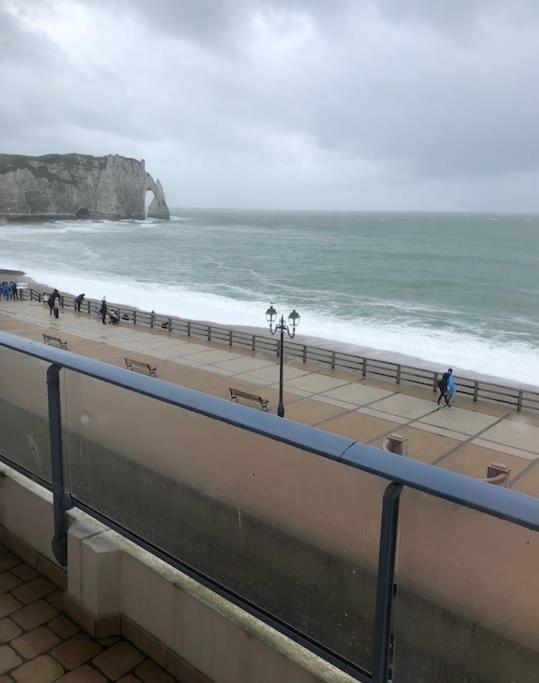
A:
x,y
54,302
9,291
447,388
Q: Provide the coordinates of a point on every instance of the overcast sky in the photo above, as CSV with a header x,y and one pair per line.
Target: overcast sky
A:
x,y
324,104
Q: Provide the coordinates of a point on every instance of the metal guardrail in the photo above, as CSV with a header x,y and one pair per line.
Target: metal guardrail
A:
x,y
400,472
519,399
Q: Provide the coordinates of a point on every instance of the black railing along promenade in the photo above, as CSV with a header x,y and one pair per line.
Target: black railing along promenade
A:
x,y
400,473
519,399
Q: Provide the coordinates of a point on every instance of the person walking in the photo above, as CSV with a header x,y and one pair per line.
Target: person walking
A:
x,y
56,304
78,302
52,298
451,389
103,311
443,387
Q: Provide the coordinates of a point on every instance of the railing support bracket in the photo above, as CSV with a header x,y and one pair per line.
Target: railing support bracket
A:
x,y
385,582
62,500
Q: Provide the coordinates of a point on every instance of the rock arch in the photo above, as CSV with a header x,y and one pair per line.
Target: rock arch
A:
x,y
158,207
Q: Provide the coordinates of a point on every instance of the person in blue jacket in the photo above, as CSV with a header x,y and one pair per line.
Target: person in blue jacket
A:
x,y
451,388
447,388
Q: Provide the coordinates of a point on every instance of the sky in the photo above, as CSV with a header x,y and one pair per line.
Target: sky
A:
x,y
286,104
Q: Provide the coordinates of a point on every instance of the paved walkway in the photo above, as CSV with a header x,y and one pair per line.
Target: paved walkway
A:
x,y
465,439
39,644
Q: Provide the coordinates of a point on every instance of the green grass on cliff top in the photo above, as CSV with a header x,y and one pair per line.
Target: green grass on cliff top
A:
x,y
41,166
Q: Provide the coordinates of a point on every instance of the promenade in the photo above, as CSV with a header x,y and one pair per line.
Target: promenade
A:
x,y
465,439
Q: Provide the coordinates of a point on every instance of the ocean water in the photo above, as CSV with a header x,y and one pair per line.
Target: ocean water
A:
x,y
457,289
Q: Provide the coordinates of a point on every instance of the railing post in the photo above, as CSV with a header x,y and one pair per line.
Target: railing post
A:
x,y
209,332
519,401
61,499
230,338
385,582
364,369
62,300
89,306
188,328
304,353
398,377
134,317
475,391
434,382
253,343
152,319
333,360
170,324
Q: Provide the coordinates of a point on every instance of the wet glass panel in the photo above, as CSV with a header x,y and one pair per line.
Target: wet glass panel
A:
x,y
468,596
24,432
292,532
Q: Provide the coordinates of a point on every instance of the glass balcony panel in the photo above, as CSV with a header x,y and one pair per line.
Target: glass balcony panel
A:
x,y
24,430
289,531
468,587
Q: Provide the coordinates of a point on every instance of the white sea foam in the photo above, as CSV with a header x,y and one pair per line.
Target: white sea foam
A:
x,y
513,361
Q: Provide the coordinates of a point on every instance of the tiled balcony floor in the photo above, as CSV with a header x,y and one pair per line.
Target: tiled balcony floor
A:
x,y
39,644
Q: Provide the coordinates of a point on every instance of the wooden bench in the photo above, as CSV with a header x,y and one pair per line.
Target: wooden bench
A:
x,y
54,341
238,393
139,366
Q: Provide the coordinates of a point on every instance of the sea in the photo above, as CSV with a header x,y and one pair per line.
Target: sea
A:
x,y
451,289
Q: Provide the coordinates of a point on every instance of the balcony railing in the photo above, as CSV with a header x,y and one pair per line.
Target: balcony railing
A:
x,y
317,535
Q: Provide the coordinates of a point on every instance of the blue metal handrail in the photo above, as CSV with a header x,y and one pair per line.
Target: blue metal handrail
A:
x,y
400,472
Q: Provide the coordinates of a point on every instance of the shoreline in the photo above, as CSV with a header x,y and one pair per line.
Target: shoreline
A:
x,y
321,342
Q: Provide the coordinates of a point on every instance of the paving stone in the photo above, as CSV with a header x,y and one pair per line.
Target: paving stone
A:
x,y
34,590
24,571
118,660
64,627
57,600
35,642
34,615
8,581
42,669
76,651
9,659
8,630
108,642
129,679
6,679
84,674
8,560
8,604
151,673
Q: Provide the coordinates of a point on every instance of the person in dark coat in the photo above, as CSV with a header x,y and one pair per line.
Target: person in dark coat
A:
x,y
51,302
443,386
78,302
103,310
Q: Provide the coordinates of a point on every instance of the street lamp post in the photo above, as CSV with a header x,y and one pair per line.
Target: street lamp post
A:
x,y
281,327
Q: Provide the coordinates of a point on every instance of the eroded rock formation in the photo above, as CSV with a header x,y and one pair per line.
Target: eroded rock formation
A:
x,y
77,185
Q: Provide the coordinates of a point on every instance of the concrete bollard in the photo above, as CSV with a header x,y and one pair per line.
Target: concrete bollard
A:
x,y
396,443
497,474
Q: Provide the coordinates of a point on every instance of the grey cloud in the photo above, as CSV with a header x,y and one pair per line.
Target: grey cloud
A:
x,y
287,102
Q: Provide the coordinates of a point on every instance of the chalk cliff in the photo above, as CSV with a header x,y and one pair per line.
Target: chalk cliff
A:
x,y
77,185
